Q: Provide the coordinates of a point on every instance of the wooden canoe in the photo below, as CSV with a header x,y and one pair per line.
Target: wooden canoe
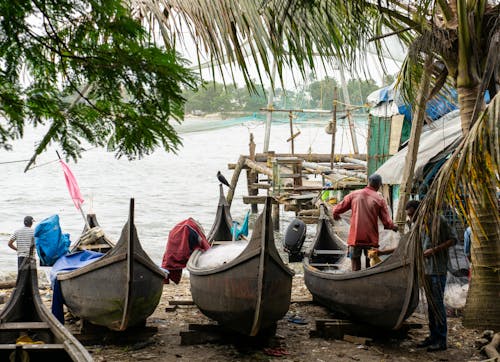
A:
x,y
383,295
249,293
119,290
26,315
93,238
221,228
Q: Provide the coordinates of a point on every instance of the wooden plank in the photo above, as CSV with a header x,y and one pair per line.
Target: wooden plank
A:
x,y
357,340
329,252
51,346
23,325
94,246
260,186
8,284
324,265
290,175
180,302
256,200
396,128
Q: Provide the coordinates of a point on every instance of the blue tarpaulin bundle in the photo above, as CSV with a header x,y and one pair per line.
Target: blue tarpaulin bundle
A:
x,y
50,242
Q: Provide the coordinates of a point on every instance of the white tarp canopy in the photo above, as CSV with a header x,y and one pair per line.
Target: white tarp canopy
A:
x,y
435,138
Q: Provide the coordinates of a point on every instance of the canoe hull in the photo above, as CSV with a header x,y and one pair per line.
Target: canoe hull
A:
x,y
377,299
106,306
26,315
230,297
249,293
383,295
119,290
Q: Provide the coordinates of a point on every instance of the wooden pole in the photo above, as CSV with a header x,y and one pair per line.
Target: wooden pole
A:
x,y
290,119
411,156
334,127
234,179
252,175
347,101
262,169
267,132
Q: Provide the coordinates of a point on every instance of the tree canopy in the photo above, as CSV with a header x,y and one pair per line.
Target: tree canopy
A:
x,y
86,70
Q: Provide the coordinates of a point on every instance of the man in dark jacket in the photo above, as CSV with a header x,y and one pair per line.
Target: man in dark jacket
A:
x,y
436,263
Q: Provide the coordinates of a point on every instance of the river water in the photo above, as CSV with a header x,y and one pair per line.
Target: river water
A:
x,y
167,188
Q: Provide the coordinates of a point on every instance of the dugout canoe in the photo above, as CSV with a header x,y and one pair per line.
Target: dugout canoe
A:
x,y
384,295
93,237
26,316
119,290
221,228
250,293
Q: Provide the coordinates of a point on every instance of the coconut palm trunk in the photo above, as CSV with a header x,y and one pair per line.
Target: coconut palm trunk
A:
x,y
483,308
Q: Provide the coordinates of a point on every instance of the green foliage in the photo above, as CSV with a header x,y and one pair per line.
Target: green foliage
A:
x,y
215,97
88,71
321,92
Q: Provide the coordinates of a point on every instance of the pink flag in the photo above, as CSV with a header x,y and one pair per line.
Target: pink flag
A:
x,y
73,188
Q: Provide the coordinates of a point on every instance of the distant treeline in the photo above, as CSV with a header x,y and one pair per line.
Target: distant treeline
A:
x,y
215,97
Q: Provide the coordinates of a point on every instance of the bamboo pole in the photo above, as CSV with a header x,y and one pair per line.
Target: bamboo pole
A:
x,y
319,169
411,156
334,127
355,160
290,119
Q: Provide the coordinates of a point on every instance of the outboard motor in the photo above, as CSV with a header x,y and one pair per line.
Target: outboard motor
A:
x,y
294,239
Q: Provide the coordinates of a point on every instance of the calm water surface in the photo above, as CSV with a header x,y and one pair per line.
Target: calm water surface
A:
x,y
167,188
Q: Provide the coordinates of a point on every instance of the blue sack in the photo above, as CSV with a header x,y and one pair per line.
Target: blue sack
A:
x,y
50,242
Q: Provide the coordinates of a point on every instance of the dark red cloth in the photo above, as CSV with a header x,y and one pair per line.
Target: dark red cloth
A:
x,y
367,206
183,239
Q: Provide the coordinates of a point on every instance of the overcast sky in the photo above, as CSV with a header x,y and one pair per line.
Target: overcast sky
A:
x,y
372,68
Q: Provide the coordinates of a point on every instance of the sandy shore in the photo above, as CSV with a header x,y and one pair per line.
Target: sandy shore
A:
x,y
293,338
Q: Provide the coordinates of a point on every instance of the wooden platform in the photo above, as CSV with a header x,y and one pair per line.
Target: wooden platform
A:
x,y
357,332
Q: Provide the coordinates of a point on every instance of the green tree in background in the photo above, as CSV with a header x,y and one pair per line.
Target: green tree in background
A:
x,y
216,97
86,70
321,92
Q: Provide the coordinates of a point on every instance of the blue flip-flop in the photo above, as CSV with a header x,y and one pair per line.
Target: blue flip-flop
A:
x,y
297,320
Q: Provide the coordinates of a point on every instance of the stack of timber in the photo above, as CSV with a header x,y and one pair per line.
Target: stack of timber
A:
x,y
384,295
119,290
29,331
287,178
249,293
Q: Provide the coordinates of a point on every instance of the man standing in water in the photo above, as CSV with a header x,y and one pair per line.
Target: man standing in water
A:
x,y
436,266
367,207
24,239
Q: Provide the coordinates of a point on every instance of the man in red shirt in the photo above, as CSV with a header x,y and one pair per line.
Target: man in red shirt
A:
x,y
367,207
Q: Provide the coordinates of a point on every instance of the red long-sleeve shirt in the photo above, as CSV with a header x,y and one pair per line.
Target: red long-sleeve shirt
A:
x,y
367,206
